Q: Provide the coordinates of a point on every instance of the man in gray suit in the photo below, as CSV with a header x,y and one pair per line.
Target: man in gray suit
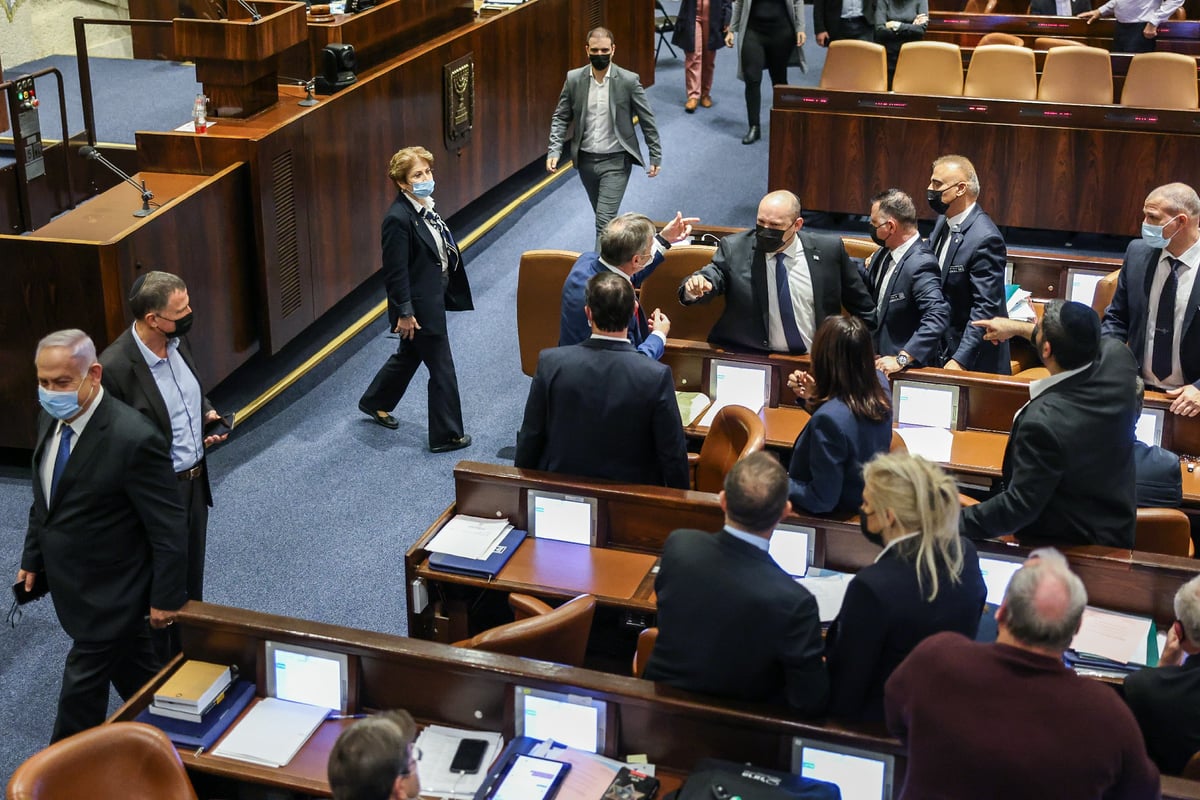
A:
x,y
602,100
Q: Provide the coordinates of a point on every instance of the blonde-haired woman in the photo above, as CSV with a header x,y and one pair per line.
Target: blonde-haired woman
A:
x,y
925,581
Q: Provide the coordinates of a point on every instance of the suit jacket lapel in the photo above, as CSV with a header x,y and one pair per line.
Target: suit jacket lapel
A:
x,y
1189,313
145,379
419,224
885,292
45,427
85,449
956,240
758,285
816,273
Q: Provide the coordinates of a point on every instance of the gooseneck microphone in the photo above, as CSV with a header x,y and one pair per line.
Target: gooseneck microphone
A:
x,y
254,15
92,154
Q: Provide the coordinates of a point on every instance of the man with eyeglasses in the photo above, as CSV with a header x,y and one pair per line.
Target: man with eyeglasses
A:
x,y
375,759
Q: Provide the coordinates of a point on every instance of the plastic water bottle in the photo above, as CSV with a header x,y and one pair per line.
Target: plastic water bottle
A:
x,y
200,113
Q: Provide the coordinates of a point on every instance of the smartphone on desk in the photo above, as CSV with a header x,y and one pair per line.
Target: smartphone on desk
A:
x,y
468,758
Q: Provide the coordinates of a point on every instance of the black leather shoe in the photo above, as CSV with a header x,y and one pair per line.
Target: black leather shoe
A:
x,y
453,444
387,420
752,135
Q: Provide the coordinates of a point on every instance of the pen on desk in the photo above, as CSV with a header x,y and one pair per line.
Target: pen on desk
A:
x,y
199,751
348,716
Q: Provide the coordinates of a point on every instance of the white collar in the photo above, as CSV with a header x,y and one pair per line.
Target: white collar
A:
x,y
1036,387
888,546
957,219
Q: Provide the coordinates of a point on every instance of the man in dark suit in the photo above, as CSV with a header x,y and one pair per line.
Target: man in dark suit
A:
x,y
424,275
972,256
1157,292
1068,468
599,408
603,100
834,20
749,269
731,622
1166,699
906,285
149,367
628,247
1060,8
107,533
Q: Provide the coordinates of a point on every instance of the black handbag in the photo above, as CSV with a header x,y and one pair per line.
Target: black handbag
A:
x,y
714,779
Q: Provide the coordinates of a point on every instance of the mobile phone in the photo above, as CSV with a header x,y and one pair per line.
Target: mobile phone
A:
x,y
531,778
219,426
39,590
468,758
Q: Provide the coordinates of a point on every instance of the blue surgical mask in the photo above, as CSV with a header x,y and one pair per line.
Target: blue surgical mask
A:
x,y
1152,235
60,405
423,188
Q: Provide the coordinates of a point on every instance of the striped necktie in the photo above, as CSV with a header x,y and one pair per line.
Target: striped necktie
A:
x,y
453,259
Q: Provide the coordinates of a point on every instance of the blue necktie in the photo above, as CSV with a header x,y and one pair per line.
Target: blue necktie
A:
x,y
453,259
791,331
60,461
1164,324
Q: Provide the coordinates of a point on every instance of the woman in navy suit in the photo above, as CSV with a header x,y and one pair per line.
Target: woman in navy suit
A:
x,y
851,418
925,581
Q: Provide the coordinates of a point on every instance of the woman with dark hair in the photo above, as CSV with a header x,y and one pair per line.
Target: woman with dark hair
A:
x,y
851,418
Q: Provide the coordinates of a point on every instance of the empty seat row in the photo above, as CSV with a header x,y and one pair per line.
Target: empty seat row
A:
x,y
1072,74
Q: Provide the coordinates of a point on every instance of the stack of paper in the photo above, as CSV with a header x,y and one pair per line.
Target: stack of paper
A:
x,y
1018,304
931,444
691,405
829,589
591,774
1119,638
438,744
469,537
272,732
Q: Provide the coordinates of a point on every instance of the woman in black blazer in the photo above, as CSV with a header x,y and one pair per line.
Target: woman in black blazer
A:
x,y
925,581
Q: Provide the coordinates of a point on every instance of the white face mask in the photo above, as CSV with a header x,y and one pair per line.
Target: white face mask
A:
x,y
1152,235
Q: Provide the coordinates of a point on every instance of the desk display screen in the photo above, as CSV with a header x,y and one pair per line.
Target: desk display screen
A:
x,y
573,720
792,548
530,778
562,517
997,572
926,404
733,383
307,675
860,774
1082,285
1150,426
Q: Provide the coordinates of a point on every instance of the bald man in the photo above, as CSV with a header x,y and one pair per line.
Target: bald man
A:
x,y
1154,307
1008,719
779,282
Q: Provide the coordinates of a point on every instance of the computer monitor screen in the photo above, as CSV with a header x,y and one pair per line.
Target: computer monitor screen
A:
x,y
562,517
997,572
732,382
1149,428
574,720
793,548
308,675
1081,285
860,774
928,405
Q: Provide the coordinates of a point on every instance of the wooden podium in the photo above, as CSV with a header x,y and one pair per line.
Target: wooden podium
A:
x,y
237,59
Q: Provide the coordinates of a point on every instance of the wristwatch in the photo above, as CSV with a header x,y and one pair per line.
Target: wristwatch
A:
x,y
903,360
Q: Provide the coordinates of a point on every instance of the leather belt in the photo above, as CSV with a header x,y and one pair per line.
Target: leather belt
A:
x,y
192,473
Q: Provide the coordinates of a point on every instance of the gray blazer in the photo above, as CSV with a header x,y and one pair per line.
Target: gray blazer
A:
x,y
741,13
627,99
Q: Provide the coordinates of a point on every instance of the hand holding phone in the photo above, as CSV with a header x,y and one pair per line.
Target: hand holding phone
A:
x,y
216,429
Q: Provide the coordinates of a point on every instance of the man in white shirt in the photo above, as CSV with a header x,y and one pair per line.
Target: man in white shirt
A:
x,y
1137,22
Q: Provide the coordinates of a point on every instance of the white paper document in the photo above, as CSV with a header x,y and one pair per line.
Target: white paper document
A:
x,y
932,444
438,744
1117,637
272,733
469,537
829,588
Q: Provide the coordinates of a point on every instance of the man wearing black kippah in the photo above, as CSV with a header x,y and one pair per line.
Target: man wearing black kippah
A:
x,y
1068,468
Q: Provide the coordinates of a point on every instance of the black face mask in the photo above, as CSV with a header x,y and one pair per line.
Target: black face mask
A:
x,y
600,62
934,196
874,538
874,231
182,326
768,239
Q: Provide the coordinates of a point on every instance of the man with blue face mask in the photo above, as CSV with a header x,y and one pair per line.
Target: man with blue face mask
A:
x,y
1154,307
107,534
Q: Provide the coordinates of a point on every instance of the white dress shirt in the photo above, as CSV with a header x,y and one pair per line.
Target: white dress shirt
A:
x,y
50,454
952,225
801,290
897,256
1185,279
599,133
180,393
1156,11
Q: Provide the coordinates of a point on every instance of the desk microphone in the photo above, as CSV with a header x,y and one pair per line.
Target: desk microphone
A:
x,y
92,154
254,15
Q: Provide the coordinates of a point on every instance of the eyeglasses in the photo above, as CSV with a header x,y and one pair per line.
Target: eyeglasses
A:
x,y
414,756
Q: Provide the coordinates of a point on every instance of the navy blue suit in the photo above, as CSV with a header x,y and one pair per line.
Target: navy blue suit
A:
x,y
602,410
1126,316
827,459
913,313
885,614
573,326
732,623
973,284
1159,481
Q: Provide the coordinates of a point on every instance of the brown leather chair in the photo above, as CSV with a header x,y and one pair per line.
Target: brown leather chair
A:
x,y
735,431
1002,72
1161,80
1077,75
121,761
980,7
1051,42
1163,530
929,68
1105,289
855,66
645,646
898,445
540,280
859,248
996,37
1191,770
661,290
547,634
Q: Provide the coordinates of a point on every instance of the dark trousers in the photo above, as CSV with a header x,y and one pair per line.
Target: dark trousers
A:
x,y
854,28
127,663
1129,38
390,383
764,51
604,177
195,507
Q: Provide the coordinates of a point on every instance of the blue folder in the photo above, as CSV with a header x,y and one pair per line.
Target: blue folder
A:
x,y
480,567
215,722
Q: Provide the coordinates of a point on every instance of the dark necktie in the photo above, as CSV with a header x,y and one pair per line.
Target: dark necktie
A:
x,y
787,314
453,259
638,327
1164,324
60,461
883,266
